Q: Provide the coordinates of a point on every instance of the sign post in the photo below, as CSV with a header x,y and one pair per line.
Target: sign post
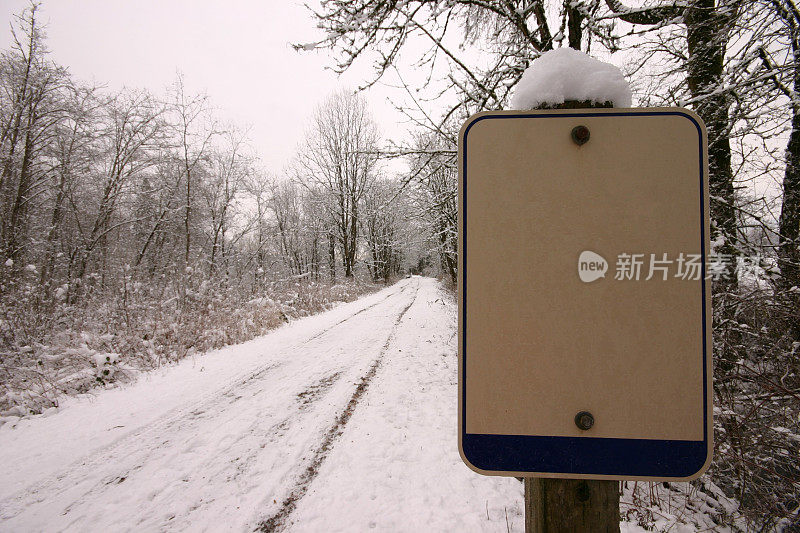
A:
x,y
584,304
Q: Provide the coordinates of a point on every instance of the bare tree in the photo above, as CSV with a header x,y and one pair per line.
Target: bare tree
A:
x,y
258,192
131,131
72,151
474,55
195,129
384,212
786,80
511,33
434,197
339,160
30,112
298,250
229,168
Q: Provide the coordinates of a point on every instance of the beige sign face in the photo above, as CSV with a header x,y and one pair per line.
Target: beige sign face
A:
x,y
583,288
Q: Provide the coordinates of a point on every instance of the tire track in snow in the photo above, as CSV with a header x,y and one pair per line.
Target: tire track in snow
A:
x,y
306,399
239,465
277,520
171,422
313,392
320,334
242,464
257,438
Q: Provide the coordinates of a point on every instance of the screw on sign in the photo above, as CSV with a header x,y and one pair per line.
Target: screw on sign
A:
x,y
580,134
584,420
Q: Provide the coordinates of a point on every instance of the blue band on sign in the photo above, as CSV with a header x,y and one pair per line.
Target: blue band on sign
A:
x,y
585,455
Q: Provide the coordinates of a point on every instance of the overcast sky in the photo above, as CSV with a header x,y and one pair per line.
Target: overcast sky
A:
x,y
237,51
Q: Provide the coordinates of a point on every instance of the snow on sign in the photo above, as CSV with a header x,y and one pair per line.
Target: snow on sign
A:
x,y
584,294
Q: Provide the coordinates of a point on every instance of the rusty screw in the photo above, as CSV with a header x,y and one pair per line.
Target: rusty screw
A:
x,y
584,420
580,135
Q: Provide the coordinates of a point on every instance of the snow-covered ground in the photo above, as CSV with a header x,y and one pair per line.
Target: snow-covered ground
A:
x,y
345,421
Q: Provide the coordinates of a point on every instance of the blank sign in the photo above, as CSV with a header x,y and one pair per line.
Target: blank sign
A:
x,y
582,287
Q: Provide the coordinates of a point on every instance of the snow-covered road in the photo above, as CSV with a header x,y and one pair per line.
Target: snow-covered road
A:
x,y
345,421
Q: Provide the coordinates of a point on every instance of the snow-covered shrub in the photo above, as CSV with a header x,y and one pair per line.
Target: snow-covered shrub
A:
x,y
105,365
50,346
757,405
679,507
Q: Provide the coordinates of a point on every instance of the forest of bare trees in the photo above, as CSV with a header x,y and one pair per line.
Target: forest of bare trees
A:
x,y
136,228
736,64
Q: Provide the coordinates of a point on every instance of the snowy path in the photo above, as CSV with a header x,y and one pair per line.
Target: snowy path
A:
x,y
345,421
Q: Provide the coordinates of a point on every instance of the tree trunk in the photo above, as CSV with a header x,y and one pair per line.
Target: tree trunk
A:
x,y
18,217
574,23
332,255
707,27
57,216
186,218
707,40
789,222
353,236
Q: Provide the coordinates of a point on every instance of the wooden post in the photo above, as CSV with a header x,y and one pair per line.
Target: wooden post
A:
x,y
571,505
534,505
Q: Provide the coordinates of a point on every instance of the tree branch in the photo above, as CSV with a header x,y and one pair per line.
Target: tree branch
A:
x,y
646,15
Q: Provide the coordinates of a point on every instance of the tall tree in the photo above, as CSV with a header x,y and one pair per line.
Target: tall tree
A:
x,y
229,166
72,150
789,219
382,221
30,113
297,246
434,198
339,160
195,129
131,133
708,25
